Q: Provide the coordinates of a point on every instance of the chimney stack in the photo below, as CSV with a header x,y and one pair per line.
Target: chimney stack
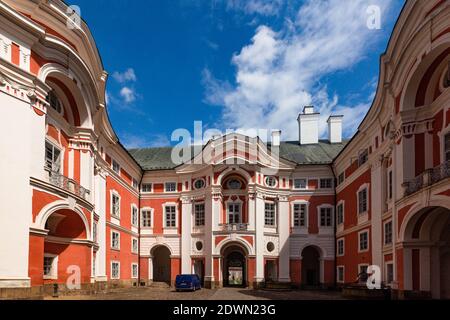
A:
x,y
335,129
276,138
308,126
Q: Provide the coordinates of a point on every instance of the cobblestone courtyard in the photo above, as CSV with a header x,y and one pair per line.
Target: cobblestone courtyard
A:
x,y
151,293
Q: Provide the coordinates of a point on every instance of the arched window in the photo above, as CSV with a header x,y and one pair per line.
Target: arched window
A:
x,y
54,101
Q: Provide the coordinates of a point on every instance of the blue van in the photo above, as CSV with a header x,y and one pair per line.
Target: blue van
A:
x,y
189,282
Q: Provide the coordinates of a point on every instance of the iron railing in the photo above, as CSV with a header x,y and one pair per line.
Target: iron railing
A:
x,y
427,178
58,180
230,227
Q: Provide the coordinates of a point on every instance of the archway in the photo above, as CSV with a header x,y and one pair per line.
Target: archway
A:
x,y
234,266
426,253
310,267
161,264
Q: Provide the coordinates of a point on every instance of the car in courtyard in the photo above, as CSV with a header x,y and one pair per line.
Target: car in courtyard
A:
x,y
187,282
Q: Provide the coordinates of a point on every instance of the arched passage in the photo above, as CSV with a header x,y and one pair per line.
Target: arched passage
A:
x,y
161,264
426,253
234,265
311,266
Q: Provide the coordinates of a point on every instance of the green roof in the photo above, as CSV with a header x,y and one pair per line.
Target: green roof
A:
x,y
323,152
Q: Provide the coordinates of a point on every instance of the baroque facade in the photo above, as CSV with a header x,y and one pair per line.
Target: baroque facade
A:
x,y
76,206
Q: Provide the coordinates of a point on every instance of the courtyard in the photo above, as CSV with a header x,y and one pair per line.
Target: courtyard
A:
x,y
154,293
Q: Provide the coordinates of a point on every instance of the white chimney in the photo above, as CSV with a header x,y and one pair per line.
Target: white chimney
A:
x,y
308,126
335,129
276,138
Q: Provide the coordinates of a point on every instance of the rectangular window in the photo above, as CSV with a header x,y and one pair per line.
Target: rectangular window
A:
x,y
147,187
134,216
362,201
299,215
341,178
171,219
52,157
326,183
115,240
49,266
388,232
389,273
447,147
94,231
115,208
390,185
325,217
234,213
135,184
340,247
199,211
340,274
340,213
116,166
363,157
300,183
170,186
146,219
270,214
363,241
363,269
134,270
115,270
134,245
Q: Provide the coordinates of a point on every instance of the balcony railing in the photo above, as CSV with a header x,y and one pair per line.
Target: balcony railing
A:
x,y
58,180
233,227
427,178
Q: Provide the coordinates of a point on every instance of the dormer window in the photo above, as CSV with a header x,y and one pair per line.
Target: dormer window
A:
x,y
54,101
363,157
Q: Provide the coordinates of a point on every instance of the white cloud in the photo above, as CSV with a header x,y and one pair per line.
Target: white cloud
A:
x,y
127,76
261,7
279,71
128,95
133,141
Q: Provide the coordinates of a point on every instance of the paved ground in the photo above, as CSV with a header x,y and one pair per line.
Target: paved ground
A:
x,y
206,294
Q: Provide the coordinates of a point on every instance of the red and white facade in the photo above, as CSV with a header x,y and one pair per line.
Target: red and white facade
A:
x,y
77,207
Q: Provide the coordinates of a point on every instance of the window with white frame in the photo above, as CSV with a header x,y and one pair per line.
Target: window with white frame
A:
x,y
115,270
115,240
170,186
52,157
363,241
300,183
326,217
134,245
270,217
199,214
50,266
326,183
134,270
447,147
340,247
234,213
389,273
341,178
94,231
340,274
146,187
134,216
171,216
271,181
388,232
362,201
363,157
135,184
199,184
54,101
116,166
115,205
340,213
146,218
299,215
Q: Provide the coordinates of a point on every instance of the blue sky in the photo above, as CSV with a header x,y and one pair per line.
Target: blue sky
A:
x,y
235,64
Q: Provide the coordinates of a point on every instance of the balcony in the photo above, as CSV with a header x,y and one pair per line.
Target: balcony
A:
x,y
58,180
234,227
427,178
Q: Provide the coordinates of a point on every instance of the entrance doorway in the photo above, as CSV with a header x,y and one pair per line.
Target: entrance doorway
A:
x,y
161,264
199,268
270,269
234,267
310,267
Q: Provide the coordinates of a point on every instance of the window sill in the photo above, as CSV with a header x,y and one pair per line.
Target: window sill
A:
x,y
50,277
115,249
